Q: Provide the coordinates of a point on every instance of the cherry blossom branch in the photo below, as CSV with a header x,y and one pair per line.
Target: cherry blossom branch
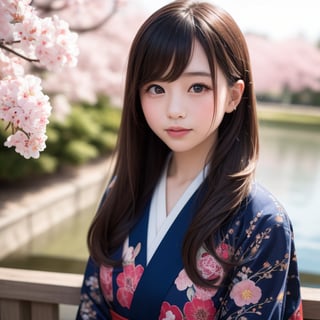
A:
x,y
5,47
23,105
100,23
50,7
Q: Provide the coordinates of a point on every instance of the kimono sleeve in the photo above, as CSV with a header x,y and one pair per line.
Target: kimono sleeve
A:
x,y
92,303
265,283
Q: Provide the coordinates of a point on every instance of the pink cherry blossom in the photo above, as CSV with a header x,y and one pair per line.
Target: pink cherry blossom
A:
x,y
56,47
103,74
245,292
49,40
26,109
23,105
27,146
290,63
10,67
17,10
170,312
6,27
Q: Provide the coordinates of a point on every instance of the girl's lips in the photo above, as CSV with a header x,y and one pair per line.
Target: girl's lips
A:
x,y
177,132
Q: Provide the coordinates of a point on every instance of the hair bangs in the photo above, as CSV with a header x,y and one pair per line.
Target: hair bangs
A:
x,y
167,50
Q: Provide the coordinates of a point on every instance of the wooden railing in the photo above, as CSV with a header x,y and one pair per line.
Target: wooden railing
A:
x,y
36,295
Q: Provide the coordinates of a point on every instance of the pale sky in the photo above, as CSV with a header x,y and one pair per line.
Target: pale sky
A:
x,y
276,18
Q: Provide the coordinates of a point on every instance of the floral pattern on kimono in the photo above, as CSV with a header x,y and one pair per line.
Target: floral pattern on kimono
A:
x,y
263,285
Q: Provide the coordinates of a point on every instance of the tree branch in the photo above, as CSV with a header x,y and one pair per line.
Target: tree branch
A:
x,y
100,23
47,8
5,47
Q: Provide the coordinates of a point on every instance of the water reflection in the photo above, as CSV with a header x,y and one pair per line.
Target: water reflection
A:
x,y
62,248
290,168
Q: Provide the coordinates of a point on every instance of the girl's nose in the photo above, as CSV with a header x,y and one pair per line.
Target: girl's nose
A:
x,y
177,114
176,108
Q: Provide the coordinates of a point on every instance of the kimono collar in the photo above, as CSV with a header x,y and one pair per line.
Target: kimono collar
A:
x,y
159,221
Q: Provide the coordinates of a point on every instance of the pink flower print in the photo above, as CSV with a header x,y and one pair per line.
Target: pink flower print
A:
x,y
199,310
130,253
106,282
209,267
170,312
204,293
245,292
183,281
127,282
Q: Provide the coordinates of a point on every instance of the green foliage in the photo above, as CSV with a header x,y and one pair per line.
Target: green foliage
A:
x,y
13,167
88,132
79,152
305,97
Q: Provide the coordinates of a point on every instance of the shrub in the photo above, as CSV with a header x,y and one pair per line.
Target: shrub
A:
x,y
90,131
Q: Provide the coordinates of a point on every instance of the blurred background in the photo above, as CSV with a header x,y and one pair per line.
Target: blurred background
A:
x,y
284,43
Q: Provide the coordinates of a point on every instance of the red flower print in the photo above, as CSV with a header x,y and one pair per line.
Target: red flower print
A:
x,y
245,292
223,251
127,282
106,282
298,315
170,312
199,310
209,267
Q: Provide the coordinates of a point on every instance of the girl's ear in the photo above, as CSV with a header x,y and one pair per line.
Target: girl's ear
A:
x,y
235,96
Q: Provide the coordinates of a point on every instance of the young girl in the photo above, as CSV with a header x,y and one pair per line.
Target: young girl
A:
x,y
184,231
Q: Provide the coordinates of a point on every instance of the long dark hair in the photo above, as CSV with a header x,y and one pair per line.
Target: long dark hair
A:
x,y
162,50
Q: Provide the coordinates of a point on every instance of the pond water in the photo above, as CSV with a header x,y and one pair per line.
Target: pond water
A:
x,y
289,166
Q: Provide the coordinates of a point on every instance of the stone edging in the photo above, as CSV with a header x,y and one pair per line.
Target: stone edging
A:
x,y
27,212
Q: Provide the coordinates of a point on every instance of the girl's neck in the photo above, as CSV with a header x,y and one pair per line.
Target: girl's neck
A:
x,y
184,167
182,170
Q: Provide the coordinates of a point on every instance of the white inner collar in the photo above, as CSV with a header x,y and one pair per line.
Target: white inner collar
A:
x,y
159,221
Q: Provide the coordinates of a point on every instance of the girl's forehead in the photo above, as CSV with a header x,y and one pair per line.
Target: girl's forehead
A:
x,y
198,60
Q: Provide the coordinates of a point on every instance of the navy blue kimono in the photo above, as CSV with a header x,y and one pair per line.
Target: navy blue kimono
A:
x,y
263,285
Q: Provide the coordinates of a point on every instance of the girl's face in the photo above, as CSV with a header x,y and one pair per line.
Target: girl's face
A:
x,y
181,113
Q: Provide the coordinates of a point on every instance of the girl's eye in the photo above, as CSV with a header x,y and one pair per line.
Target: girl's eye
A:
x,y
155,89
198,88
